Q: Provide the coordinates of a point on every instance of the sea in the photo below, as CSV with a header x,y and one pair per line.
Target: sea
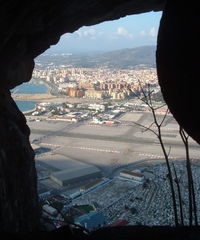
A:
x,y
29,88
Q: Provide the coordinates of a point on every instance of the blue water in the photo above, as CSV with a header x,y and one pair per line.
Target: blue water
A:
x,y
25,105
28,88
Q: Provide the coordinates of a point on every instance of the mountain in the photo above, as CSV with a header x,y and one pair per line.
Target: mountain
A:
x,y
129,58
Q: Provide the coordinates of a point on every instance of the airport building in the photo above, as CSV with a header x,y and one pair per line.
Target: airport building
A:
x,y
92,220
136,176
69,176
50,210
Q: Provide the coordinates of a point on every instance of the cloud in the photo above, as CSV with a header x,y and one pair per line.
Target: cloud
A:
x,y
153,32
68,35
91,32
121,31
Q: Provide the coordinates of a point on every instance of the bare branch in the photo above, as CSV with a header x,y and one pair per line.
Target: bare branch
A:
x,y
149,127
155,119
169,151
183,135
149,94
156,108
191,191
148,101
146,128
179,195
164,117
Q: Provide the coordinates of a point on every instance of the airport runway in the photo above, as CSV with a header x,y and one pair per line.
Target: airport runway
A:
x,y
110,138
110,148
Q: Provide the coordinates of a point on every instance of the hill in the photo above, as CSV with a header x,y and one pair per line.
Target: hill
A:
x,y
130,58
127,58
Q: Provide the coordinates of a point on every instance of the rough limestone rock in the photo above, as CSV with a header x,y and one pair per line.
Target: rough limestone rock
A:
x,y
19,210
178,52
28,28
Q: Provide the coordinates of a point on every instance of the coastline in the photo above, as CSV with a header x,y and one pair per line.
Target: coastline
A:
x,y
22,105
26,102
29,111
33,97
42,82
51,95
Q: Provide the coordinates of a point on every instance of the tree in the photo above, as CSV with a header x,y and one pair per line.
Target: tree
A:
x,y
191,191
147,99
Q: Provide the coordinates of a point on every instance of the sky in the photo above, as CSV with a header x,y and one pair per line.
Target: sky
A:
x,y
127,32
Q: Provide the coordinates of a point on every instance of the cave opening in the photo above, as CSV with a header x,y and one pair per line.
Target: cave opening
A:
x,y
31,29
83,115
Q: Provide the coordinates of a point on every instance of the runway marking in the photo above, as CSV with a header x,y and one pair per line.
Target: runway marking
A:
x,y
50,144
163,127
155,156
100,125
95,149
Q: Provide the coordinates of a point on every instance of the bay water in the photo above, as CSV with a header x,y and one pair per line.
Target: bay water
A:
x,y
29,88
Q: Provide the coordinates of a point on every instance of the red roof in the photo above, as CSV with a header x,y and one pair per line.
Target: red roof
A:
x,y
120,222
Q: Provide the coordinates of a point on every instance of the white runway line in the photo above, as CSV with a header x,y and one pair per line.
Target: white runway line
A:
x,y
155,156
94,149
50,144
163,128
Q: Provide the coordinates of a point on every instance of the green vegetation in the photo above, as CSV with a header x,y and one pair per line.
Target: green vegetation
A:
x,y
86,208
133,210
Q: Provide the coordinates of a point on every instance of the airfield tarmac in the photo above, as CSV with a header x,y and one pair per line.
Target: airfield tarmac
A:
x,y
110,148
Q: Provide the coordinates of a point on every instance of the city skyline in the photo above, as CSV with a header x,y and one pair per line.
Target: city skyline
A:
x,y
127,32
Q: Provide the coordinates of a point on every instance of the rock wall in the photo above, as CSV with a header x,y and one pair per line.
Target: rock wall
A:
x,y
28,28
19,209
178,52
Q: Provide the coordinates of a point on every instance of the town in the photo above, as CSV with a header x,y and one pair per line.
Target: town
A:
x,y
102,94
98,83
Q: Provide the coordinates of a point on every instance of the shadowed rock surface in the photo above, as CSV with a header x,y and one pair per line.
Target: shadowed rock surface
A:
x,y
28,28
19,209
117,233
178,64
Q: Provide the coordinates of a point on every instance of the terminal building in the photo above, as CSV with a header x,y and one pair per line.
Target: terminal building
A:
x,y
136,176
70,176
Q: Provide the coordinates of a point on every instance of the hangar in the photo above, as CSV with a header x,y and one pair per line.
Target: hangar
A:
x,y
69,176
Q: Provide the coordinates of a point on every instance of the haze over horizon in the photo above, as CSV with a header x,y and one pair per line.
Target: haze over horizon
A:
x,y
128,32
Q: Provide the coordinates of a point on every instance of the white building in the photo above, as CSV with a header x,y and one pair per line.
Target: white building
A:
x,y
50,210
139,177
